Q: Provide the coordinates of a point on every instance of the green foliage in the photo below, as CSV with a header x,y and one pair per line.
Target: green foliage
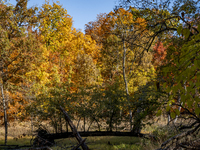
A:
x,y
58,65
185,74
101,103
163,133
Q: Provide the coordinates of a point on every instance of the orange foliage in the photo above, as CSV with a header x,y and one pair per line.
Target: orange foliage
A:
x,y
159,53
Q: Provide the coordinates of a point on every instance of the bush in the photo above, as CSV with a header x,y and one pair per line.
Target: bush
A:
x,y
162,133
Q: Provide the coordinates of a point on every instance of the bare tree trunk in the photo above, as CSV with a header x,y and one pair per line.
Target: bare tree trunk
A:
x,y
84,123
31,123
126,83
78,123
168,118
179,100
179,108
60,123
137,119
5,114
168,113
90,125
67,129
74,130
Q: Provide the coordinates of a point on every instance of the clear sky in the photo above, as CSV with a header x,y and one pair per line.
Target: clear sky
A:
x,y
82,11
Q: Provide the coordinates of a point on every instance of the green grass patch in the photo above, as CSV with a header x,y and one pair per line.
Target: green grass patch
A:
x,y
20,142
103,142
94,143
98,142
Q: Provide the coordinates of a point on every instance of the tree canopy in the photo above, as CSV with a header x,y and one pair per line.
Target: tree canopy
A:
x,y
138,61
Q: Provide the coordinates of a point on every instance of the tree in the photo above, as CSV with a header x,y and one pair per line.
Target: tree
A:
x,y
118,33
68,63
179,71
18,48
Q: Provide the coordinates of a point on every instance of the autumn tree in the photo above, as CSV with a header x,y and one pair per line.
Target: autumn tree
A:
x,y
179,72
19,49
118,34
69,63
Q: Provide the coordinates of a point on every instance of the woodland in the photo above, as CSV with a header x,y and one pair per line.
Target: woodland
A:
x,y
136,63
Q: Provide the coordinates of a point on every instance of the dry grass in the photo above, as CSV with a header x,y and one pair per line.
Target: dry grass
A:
x,y
20,133
16,129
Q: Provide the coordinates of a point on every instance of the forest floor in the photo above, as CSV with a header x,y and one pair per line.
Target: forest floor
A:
x,y
109,143
20,133
95,143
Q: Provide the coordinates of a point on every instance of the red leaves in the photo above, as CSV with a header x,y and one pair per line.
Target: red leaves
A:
x,y
159,53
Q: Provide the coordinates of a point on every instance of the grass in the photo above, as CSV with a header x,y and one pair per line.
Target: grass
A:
x,y
17,129
94,143
20,142
103,142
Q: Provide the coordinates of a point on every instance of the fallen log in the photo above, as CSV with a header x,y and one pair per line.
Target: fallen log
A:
x,y
46,139
74,130
95,133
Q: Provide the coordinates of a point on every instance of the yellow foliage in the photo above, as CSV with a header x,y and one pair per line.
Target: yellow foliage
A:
x,y
140,23
63,49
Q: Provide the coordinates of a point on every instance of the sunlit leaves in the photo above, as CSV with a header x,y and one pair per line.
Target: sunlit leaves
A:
x,y
19,49
186,73
68,63
110,31
179,29
54,21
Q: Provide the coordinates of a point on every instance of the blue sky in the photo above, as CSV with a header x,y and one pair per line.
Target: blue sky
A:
x,y
82,11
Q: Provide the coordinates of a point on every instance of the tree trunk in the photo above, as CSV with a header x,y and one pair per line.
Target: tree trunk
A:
x,y
111,121
84,124
67,129
78,123
126,83
179,108
138,118
74,130
168,118
168,113
5,114
31,123
90,125
60,123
